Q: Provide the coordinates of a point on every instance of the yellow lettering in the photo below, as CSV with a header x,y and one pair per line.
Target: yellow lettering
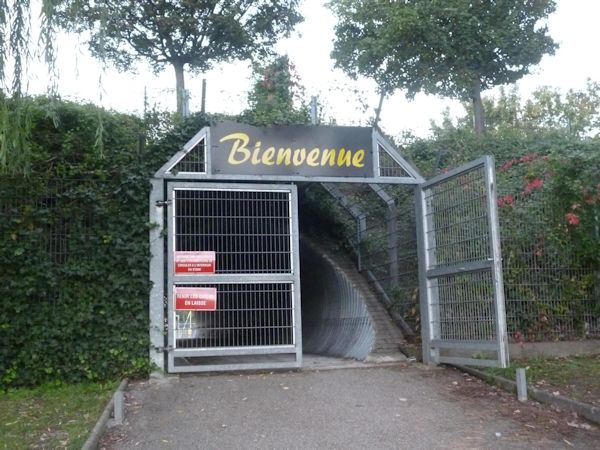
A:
x,y
313,157
256,154
358,157
284,156
299,156
268,156
328,154
344,158
239,153
239,146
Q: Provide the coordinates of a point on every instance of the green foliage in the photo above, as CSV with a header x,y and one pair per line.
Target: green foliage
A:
x,y
575,113
453,48
74,248
549,209
574,376
277,97
192,33
15,42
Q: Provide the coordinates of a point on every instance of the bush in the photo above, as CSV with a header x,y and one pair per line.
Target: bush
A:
x,y
74,247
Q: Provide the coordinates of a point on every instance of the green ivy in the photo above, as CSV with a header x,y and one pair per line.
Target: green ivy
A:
x,y
74,249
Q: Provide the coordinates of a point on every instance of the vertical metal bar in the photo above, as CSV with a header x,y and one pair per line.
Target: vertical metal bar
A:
x,y
171,232
501,332
392,243
157,275
425,296
296,294
358,244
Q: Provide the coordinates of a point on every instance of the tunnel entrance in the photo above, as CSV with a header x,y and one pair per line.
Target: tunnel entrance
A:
x,y
225,263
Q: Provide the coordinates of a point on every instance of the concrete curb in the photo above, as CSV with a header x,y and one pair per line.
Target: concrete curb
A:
x,y
591,413
96,434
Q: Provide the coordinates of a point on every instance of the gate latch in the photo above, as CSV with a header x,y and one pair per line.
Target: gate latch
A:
x,y
163,202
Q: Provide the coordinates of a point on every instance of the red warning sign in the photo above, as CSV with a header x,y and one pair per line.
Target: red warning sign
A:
x,y
195,299
195,262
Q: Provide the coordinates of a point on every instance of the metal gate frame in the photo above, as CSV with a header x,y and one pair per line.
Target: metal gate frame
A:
x,y
430,273
228,355
178,171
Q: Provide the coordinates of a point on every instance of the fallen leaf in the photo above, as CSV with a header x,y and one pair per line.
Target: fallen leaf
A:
x,y
583,426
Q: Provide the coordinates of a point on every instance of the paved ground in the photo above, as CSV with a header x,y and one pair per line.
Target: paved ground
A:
x,y
393,406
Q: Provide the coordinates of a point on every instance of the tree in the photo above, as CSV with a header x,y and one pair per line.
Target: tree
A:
x,y
453,48
277,96
574,113
192,34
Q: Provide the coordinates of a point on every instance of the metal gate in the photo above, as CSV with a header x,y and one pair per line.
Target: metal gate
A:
x,y
460,269
233,285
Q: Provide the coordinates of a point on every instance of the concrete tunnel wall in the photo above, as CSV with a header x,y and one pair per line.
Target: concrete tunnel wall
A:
x,y
335,320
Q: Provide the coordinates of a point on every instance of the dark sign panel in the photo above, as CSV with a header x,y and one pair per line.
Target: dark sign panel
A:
x,y
310,151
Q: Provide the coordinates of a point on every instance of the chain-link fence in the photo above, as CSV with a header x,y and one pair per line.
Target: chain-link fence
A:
x,y
47,226
550,293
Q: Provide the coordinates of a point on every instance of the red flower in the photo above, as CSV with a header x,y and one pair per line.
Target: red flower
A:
x,y
528,158
534,184
507,165
508,200
572,218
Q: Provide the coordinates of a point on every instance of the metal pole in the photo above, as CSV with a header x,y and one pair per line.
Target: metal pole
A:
x,y
521,385
203,100
313,110
392,238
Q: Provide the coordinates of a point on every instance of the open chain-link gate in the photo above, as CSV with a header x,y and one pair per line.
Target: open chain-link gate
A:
x,y
462,297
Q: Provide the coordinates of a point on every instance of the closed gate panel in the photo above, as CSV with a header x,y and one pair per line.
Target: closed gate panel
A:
x,y
251,230
248,315
245,292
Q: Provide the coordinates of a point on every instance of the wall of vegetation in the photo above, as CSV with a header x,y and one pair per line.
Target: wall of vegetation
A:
x,y
549,211
74,245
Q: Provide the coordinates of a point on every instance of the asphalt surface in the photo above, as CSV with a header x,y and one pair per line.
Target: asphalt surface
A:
x,y
394,406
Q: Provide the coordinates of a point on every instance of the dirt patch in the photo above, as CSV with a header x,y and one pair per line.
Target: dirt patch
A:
x,y
533,417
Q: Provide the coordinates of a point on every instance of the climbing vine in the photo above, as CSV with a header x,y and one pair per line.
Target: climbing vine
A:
x,y
74,248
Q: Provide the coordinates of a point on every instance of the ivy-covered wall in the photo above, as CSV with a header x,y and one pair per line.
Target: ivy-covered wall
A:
x,y
74,246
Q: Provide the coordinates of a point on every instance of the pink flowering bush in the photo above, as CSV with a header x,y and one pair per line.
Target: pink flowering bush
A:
x,y
549,209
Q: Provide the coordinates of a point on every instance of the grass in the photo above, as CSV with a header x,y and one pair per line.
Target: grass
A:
x,y
51,417
577,377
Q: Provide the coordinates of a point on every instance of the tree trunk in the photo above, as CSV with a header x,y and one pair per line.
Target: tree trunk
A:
x,y
179,88
478,115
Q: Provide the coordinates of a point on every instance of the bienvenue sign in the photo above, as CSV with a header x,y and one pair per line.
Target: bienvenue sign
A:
x,y
310,151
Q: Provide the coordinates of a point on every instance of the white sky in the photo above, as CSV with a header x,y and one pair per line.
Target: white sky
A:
x,y
574,26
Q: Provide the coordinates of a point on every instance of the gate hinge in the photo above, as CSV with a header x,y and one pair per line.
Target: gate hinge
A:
x,y
168,348
163,202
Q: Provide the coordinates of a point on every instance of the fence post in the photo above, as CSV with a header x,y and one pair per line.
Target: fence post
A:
x,y
357,214
391,217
